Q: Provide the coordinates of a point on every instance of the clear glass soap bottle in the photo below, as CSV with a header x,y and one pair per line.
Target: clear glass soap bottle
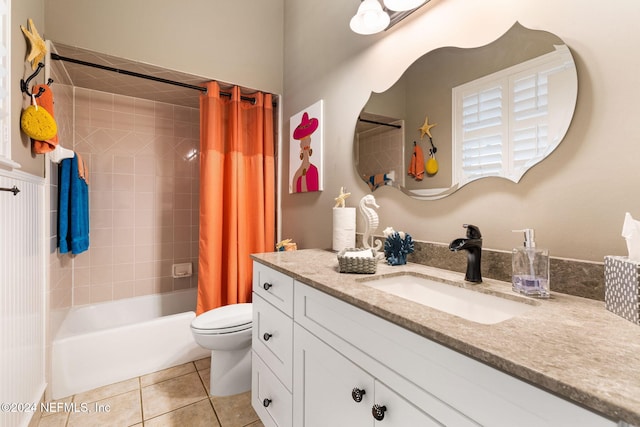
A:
x,y
530,275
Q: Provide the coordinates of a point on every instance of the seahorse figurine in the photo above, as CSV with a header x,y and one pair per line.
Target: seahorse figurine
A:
x,y
367,203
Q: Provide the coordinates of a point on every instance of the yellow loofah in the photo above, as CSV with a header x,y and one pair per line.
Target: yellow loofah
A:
x,y
432,166
38,124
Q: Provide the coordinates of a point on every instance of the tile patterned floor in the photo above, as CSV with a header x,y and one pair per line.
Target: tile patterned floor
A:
x,y
177,396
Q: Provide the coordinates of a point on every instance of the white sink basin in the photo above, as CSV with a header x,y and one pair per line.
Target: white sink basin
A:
x,y
468,304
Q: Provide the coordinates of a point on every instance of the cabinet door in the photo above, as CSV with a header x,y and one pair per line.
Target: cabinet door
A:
x,y
398,412
323,384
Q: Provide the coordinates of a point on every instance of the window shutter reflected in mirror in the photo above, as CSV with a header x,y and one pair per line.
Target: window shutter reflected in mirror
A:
x,y
502,121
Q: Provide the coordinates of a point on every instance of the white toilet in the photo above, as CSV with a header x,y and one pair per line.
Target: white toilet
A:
x,y
226,331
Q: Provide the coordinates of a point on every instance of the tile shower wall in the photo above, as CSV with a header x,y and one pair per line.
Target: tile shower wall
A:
x,y
60,271
381,152
143,195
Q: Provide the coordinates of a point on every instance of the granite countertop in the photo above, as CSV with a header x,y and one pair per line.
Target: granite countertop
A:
x,y
568,345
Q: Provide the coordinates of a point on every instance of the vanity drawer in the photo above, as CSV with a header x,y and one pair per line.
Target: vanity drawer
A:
x,y
270,399
274,287
272,339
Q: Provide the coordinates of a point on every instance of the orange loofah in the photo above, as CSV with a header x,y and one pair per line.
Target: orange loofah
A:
x,y
38,124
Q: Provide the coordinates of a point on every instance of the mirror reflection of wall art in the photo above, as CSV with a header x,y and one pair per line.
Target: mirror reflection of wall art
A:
x,y
305,158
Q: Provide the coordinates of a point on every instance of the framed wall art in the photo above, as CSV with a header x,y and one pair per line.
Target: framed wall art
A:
x,y
306,142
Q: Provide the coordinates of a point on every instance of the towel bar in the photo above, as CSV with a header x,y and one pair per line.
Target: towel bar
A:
x,y
15,190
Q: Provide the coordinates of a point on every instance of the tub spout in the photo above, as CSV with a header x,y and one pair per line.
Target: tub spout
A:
x,y
473,245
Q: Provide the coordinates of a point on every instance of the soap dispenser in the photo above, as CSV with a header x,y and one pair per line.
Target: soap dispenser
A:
x,y
530,267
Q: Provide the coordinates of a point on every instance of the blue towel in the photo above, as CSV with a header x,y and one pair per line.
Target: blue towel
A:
x,y
73,209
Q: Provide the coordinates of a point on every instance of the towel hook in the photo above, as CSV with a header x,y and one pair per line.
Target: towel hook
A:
x,y
432,150
24,84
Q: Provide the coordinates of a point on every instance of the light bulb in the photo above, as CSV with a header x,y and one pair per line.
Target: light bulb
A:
x,y
402,5
370,18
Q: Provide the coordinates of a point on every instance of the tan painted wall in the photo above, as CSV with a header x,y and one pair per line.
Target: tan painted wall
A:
x,y
237,41
575,199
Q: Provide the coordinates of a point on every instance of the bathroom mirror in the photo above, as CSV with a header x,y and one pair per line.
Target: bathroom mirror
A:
x,y
491,111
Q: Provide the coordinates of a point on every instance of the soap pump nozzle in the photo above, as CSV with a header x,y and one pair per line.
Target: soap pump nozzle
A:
x,y
529,237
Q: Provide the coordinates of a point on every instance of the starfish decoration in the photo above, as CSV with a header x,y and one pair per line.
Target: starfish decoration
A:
x,y
38,46
341,198
426,128
281,244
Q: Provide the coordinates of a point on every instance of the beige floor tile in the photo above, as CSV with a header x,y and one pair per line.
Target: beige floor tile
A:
x,y
172,394
123,410
202,364
52,418
107,391
205,374
58,419
198,414
166,374
54,403
172,397
234,411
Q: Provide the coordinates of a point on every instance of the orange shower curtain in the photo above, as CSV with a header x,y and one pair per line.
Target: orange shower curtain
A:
x,y
237,193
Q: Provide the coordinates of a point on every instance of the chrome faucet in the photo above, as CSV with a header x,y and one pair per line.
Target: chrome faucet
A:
x,y
473,245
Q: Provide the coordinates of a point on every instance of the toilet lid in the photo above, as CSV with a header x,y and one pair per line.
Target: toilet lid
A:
x,y
230,318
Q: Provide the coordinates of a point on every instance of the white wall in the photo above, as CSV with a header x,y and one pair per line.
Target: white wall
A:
x,y
22,285
575,199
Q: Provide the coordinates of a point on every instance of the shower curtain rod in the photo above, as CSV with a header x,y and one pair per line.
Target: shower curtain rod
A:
x,y
380,123
143,76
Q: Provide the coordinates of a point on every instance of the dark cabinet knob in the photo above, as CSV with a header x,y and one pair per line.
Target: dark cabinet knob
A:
x,y
357,394
267,336
266,402
378,412
266,286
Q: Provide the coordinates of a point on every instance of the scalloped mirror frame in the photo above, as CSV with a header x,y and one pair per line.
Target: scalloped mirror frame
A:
x,y
389,122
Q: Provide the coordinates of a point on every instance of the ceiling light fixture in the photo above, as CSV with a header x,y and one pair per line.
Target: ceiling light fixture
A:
x,y
370,18
403,5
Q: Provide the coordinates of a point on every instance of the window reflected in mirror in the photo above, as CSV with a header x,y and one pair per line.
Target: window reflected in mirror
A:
x,y
500,109
508,121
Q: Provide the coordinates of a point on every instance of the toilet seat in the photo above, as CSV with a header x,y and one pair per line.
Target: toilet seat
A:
x,y
224,320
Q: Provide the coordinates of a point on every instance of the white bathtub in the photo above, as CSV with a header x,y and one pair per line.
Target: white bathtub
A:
x,y
104,343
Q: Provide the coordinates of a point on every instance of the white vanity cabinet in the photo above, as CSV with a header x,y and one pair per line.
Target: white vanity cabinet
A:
x,y
338,347
330,371
332,391
272,346
342,362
